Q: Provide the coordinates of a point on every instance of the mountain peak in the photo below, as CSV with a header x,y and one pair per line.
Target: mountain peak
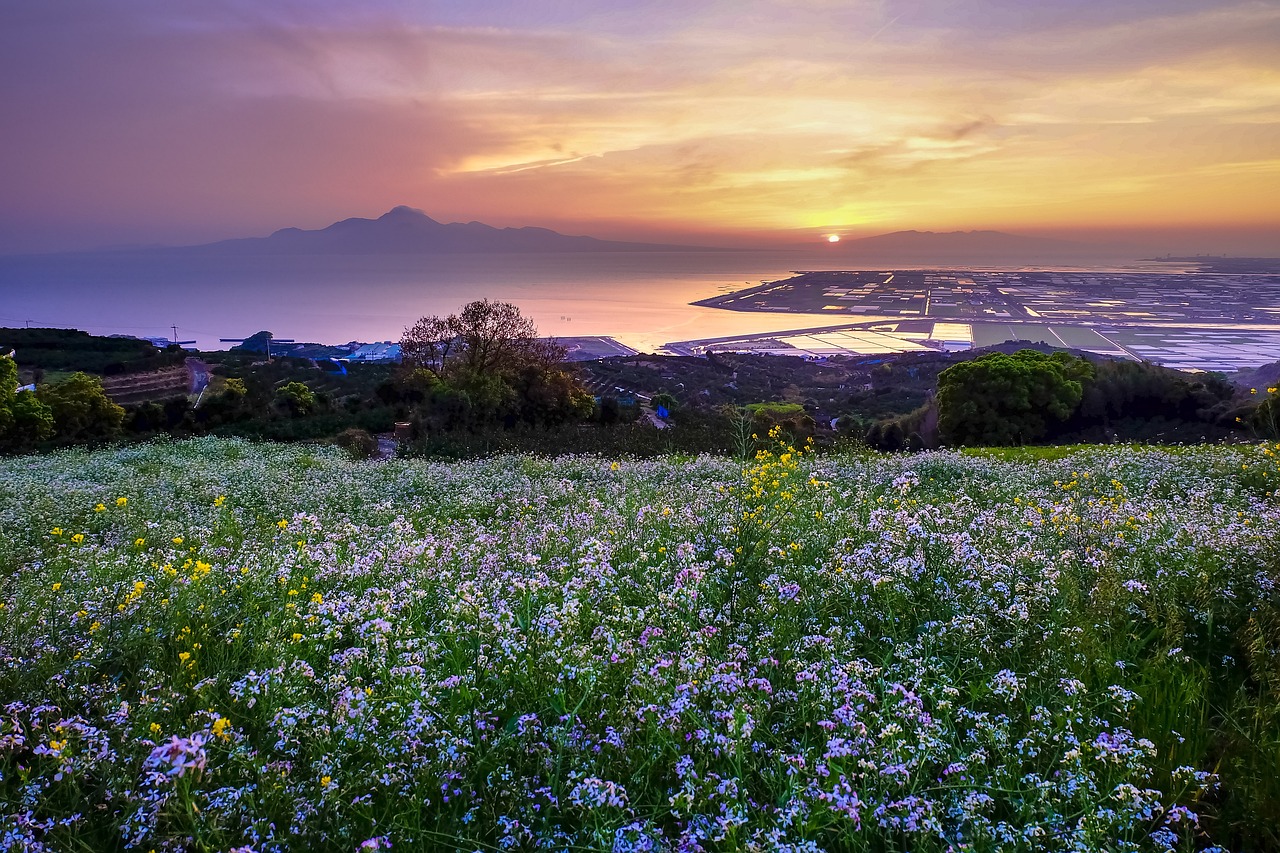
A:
x,y
404,211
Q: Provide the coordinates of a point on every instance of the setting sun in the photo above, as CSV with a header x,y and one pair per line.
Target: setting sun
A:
x,y
833,238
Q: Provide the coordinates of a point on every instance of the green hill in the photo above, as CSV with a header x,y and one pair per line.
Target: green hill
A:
x,y
213,644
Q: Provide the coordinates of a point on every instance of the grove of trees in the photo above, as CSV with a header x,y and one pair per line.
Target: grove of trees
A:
x,y
1031,397
73,410
24,419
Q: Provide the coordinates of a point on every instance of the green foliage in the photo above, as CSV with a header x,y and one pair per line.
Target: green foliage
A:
x,y
1265,419
791,418
24,419
665,400
8,378
774,411
1001,399
81,410
33,421
296,398
905,432
483,365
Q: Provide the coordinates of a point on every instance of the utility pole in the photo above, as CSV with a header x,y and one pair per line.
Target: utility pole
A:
x,y
175,333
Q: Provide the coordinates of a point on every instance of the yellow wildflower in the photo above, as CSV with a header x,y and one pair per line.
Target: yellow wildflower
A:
x,y
177,540
121,501
219,500
100,508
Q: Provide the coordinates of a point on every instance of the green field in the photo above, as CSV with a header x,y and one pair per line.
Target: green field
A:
x,y
216,645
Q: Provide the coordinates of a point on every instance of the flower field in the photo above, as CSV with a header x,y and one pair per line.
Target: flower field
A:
x,y
214,645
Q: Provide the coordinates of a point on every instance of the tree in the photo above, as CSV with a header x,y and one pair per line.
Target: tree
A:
x,y
486,338
296,398
664,400
81,409
1001,399
491,354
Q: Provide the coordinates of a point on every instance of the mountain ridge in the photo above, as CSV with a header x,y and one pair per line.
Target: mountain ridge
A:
x,y
407,230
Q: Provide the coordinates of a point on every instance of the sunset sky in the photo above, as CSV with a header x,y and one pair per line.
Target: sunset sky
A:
x,y
164,121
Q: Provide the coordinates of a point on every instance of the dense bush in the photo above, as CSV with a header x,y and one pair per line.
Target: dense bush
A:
x,y
358,443
82,412
1009,399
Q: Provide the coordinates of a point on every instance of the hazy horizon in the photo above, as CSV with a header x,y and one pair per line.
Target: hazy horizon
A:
x,y
1093,246
766,123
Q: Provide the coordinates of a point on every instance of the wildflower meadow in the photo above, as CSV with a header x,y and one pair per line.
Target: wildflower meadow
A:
x,y
216,645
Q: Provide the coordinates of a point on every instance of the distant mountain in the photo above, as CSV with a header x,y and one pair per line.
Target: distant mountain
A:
x,y
407,231
959,246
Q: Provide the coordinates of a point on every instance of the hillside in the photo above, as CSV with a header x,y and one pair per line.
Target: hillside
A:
x,y
272,646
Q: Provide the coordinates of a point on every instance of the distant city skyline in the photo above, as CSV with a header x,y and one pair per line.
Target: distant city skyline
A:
x,y
1153,123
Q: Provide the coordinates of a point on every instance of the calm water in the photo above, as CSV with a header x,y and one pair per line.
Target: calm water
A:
x,y
642,299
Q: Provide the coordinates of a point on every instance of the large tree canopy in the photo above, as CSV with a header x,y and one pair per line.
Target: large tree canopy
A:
x,y
1001,399
485,338
491,355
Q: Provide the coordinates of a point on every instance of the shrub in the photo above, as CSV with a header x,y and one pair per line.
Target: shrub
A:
x,y
358,443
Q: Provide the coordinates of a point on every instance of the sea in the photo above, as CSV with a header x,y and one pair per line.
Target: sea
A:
x,y
641,299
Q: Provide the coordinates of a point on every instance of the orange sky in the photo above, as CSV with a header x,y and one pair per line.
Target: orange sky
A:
x,y
181,122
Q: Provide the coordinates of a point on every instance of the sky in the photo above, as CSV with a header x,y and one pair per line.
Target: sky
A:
x,y
751,122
